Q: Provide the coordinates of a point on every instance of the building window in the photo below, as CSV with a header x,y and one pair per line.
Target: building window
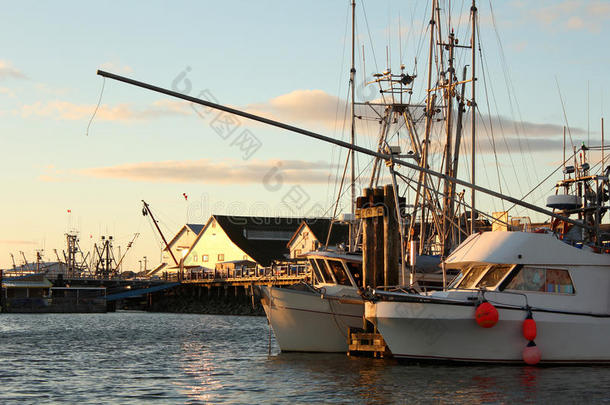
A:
x,y
297,253
245,257
204,258
221,257
195,257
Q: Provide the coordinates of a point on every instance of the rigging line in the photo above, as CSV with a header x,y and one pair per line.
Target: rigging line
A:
x,y
565,117
545,179
349,155
485,81
509,87
370,37
96,107
339,87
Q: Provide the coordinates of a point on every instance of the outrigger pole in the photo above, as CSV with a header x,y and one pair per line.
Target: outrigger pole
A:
x,y
354,148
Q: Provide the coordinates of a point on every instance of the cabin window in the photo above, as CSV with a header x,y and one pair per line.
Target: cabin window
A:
x,y
204,258
316,271
494,275
356,270
474,273
325,271
542,280
559,281
221,257
340,275
528,279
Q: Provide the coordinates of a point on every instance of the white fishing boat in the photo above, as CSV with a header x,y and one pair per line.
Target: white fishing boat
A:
x,y
316,317
559,277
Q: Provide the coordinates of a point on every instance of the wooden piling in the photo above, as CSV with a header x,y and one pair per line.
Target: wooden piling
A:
x,y
391,245
378,201
368,243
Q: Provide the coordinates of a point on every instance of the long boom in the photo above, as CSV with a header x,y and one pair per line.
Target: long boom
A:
x,y
343,144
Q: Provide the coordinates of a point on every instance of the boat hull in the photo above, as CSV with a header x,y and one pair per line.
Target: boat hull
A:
x,y
449,332
305,321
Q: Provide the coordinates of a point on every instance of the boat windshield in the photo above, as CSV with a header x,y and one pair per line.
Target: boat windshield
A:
x,y
336,266
326,274
469,281
316,271
356,270
494,275
458,277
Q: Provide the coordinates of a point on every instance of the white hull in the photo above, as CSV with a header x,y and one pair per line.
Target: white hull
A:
x,y
303,321
449,332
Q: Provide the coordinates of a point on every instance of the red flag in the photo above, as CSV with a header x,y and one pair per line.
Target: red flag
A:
x,y
69,211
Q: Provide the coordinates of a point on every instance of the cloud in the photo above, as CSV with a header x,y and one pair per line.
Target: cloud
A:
x,y
572,14
225,172
16,242
66,110
7,92
313,107
8,71
524,128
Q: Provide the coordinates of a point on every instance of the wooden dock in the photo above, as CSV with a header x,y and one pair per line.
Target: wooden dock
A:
x,y
368,344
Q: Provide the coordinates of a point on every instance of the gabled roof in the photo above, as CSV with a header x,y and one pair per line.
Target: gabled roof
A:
x,y
319,229
262,238
196,228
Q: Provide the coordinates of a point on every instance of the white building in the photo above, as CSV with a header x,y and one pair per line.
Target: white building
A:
x,y
261,240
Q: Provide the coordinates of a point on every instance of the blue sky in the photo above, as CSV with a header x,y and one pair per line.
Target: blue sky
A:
x,y
285,59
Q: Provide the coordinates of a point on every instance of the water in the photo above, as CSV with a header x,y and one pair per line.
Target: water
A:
x,y
131,357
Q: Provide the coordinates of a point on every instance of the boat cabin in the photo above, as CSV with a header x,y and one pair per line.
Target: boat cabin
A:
x,y
336,268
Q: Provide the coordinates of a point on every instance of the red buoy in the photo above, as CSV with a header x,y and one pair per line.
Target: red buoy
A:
x,y
486,315
531,354
529,328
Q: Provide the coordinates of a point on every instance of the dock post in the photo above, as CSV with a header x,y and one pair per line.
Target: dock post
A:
x,y
378,202
391,244
368,242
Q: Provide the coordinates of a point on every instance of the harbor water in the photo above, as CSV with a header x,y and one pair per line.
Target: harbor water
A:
x,y
137,357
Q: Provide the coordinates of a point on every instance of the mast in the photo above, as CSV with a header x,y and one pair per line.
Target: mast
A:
x,y
448,186
352,76
603,168
473,106
429,113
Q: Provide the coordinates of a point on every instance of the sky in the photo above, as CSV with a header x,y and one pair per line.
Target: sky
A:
x,y
62,170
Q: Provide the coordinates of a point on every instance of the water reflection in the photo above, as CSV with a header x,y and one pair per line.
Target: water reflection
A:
x,y
171,358
199,366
